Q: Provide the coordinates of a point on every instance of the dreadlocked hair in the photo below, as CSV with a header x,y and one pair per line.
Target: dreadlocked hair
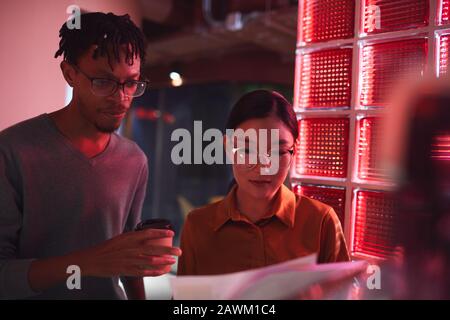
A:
x,y
108,32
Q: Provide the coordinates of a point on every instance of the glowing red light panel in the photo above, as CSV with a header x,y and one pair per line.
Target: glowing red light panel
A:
x,y
373,225
443,54
323,147
367,152
325,79
393,15
383,65
444,12
332,196
441,147
324,20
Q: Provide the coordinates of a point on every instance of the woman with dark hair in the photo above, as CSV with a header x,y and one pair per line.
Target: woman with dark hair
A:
x,y
260,222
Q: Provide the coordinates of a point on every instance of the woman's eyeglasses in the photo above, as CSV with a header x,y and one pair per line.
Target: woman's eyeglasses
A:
x,y
247,158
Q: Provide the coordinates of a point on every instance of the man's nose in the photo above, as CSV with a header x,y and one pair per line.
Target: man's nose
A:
x,y
120,94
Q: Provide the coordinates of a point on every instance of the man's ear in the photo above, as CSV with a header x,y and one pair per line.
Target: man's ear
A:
x,y
68,72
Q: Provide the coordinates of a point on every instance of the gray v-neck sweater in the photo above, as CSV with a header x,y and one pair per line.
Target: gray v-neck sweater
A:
x,y
54,200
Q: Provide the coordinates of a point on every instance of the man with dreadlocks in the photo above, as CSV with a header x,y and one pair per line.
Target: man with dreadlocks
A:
x,y
70,188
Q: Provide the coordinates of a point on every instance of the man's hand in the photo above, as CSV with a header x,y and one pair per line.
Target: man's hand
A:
x,y
132,254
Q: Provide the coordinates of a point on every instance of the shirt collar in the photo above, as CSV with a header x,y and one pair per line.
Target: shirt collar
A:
x,y
283,208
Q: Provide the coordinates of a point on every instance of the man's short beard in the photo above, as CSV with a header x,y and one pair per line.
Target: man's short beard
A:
x,y
104,129
101,128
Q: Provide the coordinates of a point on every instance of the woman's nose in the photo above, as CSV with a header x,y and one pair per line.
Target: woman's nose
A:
x,y
264,160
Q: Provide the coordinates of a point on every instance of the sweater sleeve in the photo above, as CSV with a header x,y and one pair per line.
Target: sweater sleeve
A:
x,y
13,271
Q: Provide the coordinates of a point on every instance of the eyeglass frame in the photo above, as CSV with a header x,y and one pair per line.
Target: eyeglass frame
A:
x,y
249,167
118,84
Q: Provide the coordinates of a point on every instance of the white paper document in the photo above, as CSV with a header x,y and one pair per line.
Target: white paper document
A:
x,y
279,281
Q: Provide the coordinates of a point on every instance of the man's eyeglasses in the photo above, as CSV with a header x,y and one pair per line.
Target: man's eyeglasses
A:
x,y
104,87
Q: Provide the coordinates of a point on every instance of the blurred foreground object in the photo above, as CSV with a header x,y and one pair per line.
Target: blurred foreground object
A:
x,y
419,156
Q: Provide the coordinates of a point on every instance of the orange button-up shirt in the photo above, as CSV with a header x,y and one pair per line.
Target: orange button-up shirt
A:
x,y
218,239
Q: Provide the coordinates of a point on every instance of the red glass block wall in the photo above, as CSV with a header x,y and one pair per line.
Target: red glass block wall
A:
x,y
441,147
440,154
393,15
383,65
332,196
444,12
374,221
347,67
327,20
326,78
323,147
443,54
369,138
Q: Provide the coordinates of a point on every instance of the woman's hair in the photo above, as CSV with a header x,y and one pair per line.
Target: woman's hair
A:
x,y
261,104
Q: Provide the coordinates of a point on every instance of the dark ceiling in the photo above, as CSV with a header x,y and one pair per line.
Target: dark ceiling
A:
x,y
220,40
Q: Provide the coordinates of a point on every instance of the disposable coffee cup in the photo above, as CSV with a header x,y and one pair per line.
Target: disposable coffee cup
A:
x,y
163,224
